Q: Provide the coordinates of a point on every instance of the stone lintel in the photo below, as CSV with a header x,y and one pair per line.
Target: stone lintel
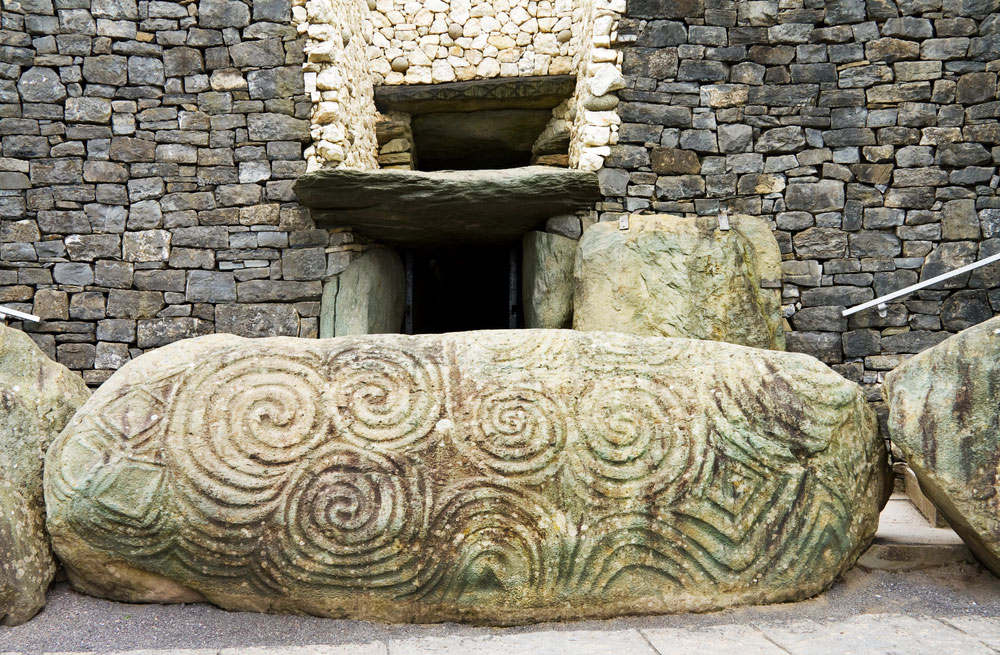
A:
x,y
419,208
539,92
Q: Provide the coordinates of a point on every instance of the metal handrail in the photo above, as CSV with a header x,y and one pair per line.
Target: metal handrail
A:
x,y
7,311
920,285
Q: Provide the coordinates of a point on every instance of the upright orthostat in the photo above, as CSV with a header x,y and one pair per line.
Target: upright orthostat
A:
x,y
495,477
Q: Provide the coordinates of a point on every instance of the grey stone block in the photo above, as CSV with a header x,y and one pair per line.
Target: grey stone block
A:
x,y
257,319
303,263
134,304
223,14
146,71
41,84
210,286
73,274
824,346
825,195
254,291
159,332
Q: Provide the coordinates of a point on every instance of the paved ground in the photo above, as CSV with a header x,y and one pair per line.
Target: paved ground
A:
x,y
953,609
937,611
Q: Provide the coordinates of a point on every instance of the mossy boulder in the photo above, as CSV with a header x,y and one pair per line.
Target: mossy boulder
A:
x,y
944,414
37,399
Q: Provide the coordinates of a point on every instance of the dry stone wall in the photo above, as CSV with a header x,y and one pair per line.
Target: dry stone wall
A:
x,y
338,79
353,45
866,131
147,152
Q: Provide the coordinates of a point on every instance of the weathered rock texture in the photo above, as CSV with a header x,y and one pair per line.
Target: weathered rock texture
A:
x,y
37,399
681,277
547,280
499,476
943,415
414,208
367,298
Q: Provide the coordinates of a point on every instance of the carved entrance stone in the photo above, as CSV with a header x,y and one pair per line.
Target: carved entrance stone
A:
x,y
497,477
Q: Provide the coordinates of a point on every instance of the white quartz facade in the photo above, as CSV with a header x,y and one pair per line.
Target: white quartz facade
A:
x,y
354,45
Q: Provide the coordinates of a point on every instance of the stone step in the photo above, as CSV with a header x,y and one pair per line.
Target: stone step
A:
x,y
906,541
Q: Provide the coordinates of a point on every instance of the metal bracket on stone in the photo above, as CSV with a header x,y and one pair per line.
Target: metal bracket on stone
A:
x,y
883,309
724,222
623,222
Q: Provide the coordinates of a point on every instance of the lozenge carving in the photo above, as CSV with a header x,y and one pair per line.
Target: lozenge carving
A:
x,y
496,477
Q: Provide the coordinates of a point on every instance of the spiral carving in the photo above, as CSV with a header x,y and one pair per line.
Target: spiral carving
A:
x,y
238,426
384,396
634,442
353,518
518,432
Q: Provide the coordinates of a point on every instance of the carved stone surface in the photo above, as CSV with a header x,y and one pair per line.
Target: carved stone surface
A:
x,y
37,399
415,208
497,476
944,416
681,277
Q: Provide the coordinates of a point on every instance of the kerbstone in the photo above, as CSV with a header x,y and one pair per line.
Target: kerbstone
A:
x,y
471,496
37,399
942,414
669,276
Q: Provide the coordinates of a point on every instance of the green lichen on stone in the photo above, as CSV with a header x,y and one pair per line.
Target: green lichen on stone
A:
x,y
37,399
494,477
944,416
681,277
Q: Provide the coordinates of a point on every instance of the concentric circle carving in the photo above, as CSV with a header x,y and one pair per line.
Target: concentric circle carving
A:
x,y
634,439
517,431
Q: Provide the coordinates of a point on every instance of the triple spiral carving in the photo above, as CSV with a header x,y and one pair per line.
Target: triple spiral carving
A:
x,y
408,473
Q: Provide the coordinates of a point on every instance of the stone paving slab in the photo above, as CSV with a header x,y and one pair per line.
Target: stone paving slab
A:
x,y
939,610
720,640
875,634
866,634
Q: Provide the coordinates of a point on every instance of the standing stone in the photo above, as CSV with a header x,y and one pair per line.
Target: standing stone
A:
x,y
367,298
681,277
37,399
943,415
499,476
547,280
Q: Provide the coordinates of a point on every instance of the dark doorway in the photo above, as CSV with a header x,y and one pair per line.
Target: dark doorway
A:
x,y
463,288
